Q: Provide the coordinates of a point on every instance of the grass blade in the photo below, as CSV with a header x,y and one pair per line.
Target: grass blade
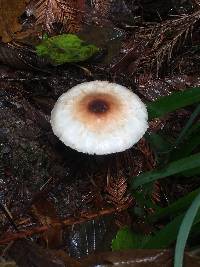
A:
x,y
186,149
158,143
188,125
170,103
184,231
172,168
178,206
166,236
194,129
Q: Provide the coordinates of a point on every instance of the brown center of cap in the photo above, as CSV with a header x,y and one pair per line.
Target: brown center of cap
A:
x,y
98,111
98,106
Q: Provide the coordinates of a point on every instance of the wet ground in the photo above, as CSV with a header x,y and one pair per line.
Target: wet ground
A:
x,y
44,183
38,172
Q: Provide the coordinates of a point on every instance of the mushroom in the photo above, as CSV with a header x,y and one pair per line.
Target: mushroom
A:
x,y
99,117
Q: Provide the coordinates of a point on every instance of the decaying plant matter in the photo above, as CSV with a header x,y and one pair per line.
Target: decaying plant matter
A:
x,y
68,15
46,191
117,192
179,29
52,14
9,13
56,16
154,45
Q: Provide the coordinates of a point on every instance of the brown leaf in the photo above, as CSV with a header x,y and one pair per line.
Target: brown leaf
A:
x,y
10,10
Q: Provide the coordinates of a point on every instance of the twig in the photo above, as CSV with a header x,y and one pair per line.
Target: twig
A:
x,y
10,236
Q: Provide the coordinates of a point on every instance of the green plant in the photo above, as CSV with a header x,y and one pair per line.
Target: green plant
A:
x,y
126,239
177,158
65,48
189,219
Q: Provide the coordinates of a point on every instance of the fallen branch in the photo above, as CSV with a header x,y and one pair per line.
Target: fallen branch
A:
x,y
10,236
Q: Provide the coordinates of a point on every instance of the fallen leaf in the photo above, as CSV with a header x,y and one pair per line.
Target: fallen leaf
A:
x,y
10,11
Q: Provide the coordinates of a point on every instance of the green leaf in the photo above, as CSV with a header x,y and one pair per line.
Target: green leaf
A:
x,y
188,125
193,172
188,147
178,206
144,199
165,149
170,103
158,143
194,129
172,168
65,48
184,231
126,239
166,236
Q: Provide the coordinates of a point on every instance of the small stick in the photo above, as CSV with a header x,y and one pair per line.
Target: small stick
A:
x,y
67,222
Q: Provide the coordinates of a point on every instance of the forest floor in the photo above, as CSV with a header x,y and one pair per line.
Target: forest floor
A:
x,y
57,205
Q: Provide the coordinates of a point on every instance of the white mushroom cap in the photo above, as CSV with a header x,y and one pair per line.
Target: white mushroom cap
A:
x,y
99,117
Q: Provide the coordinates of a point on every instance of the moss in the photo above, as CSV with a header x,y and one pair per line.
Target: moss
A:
x,y
65,48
